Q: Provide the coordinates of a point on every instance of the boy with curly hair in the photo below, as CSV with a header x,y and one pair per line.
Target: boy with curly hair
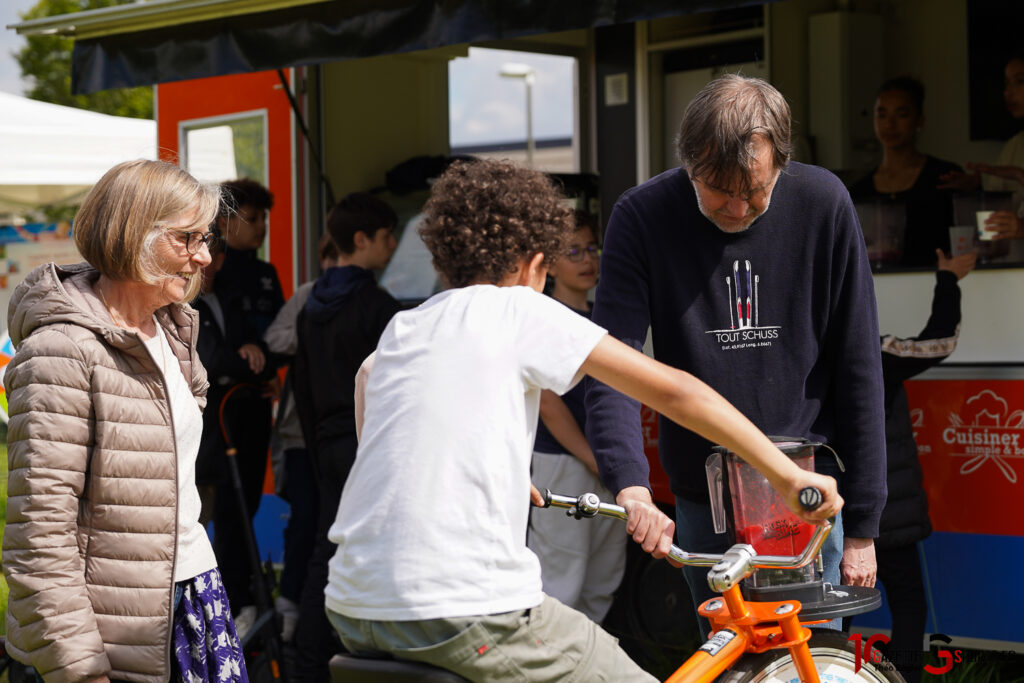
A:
x,y
432,563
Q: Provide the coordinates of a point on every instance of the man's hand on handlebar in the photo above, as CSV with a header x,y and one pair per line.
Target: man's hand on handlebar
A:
x,y
829,507
649,526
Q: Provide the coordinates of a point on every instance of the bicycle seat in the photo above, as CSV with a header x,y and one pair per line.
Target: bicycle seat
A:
x,y
347,668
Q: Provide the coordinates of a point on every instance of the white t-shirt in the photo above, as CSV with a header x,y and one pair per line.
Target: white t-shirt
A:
x,y
194,553
432,520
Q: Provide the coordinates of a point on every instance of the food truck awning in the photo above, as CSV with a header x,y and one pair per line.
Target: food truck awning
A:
x,y
169,40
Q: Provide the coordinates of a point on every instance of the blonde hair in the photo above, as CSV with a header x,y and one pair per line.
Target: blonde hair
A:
x,y
128,210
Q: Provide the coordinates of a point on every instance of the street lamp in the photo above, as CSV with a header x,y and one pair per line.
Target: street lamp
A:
x,y
525,72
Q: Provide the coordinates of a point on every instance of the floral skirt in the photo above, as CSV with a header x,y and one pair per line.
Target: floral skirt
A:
x,y
206,645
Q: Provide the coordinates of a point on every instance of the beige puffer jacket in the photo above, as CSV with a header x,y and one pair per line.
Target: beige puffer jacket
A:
x,y
89,548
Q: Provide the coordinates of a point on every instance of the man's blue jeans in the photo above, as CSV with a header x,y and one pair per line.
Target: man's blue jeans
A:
x,y
695,533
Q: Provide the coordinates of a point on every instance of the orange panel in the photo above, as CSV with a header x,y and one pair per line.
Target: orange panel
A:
x,y
970,440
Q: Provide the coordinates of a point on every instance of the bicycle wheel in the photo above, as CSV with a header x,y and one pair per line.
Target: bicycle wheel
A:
x,y
834,656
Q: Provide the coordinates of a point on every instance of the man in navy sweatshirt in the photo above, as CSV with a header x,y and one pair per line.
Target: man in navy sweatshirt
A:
x,y
751,272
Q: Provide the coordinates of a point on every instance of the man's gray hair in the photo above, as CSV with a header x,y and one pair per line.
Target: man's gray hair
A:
x,y
719,127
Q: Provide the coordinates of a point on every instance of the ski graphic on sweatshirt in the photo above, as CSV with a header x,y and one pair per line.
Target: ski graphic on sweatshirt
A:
x,y
745,329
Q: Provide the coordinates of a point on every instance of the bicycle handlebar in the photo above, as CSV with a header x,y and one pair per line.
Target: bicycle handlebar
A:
x,y
732,566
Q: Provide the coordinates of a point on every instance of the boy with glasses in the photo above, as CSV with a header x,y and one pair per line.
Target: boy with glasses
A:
x,y
581,564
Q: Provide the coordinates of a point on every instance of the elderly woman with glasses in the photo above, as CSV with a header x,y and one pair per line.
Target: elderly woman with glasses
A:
x,y
111,576
581,567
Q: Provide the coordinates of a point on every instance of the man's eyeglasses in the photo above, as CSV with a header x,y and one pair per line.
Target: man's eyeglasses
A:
x,y
195,240
576,254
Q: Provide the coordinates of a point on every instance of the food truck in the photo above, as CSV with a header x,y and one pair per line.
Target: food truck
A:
x,y
318,98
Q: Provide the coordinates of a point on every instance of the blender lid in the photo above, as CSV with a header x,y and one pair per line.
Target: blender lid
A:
x,y
786,444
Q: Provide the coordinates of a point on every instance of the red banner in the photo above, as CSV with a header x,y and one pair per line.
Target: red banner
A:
x,y
970,440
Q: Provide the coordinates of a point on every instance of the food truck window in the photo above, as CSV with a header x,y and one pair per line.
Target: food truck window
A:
x,y
516,105
226,147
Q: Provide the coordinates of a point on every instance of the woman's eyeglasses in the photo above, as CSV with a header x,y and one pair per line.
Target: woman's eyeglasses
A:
x,y
195,240
575,254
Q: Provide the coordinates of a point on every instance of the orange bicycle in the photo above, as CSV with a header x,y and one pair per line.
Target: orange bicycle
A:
x,y
764,641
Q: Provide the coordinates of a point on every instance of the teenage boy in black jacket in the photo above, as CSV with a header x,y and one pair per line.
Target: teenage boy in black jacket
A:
x,y
343,318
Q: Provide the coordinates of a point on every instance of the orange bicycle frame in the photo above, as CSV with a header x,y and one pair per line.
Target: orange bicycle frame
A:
x,y
739,627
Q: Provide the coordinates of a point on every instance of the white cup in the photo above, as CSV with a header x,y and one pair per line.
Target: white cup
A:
x,y
985,234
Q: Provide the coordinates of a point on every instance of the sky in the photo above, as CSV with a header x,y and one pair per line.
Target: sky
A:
x,y
10,41
484,107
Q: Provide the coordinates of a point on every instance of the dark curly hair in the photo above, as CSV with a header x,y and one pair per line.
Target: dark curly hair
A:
x,y
485,217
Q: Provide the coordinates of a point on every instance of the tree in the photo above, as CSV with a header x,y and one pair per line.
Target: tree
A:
x,y
45,62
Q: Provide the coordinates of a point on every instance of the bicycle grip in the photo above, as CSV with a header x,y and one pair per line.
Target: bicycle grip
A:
x,y
810,498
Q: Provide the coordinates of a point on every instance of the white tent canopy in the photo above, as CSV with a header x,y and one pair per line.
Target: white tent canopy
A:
x,y
51,154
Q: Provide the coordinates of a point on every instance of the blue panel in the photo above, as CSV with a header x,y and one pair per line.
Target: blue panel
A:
x,y
270,521
976,588
973,584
